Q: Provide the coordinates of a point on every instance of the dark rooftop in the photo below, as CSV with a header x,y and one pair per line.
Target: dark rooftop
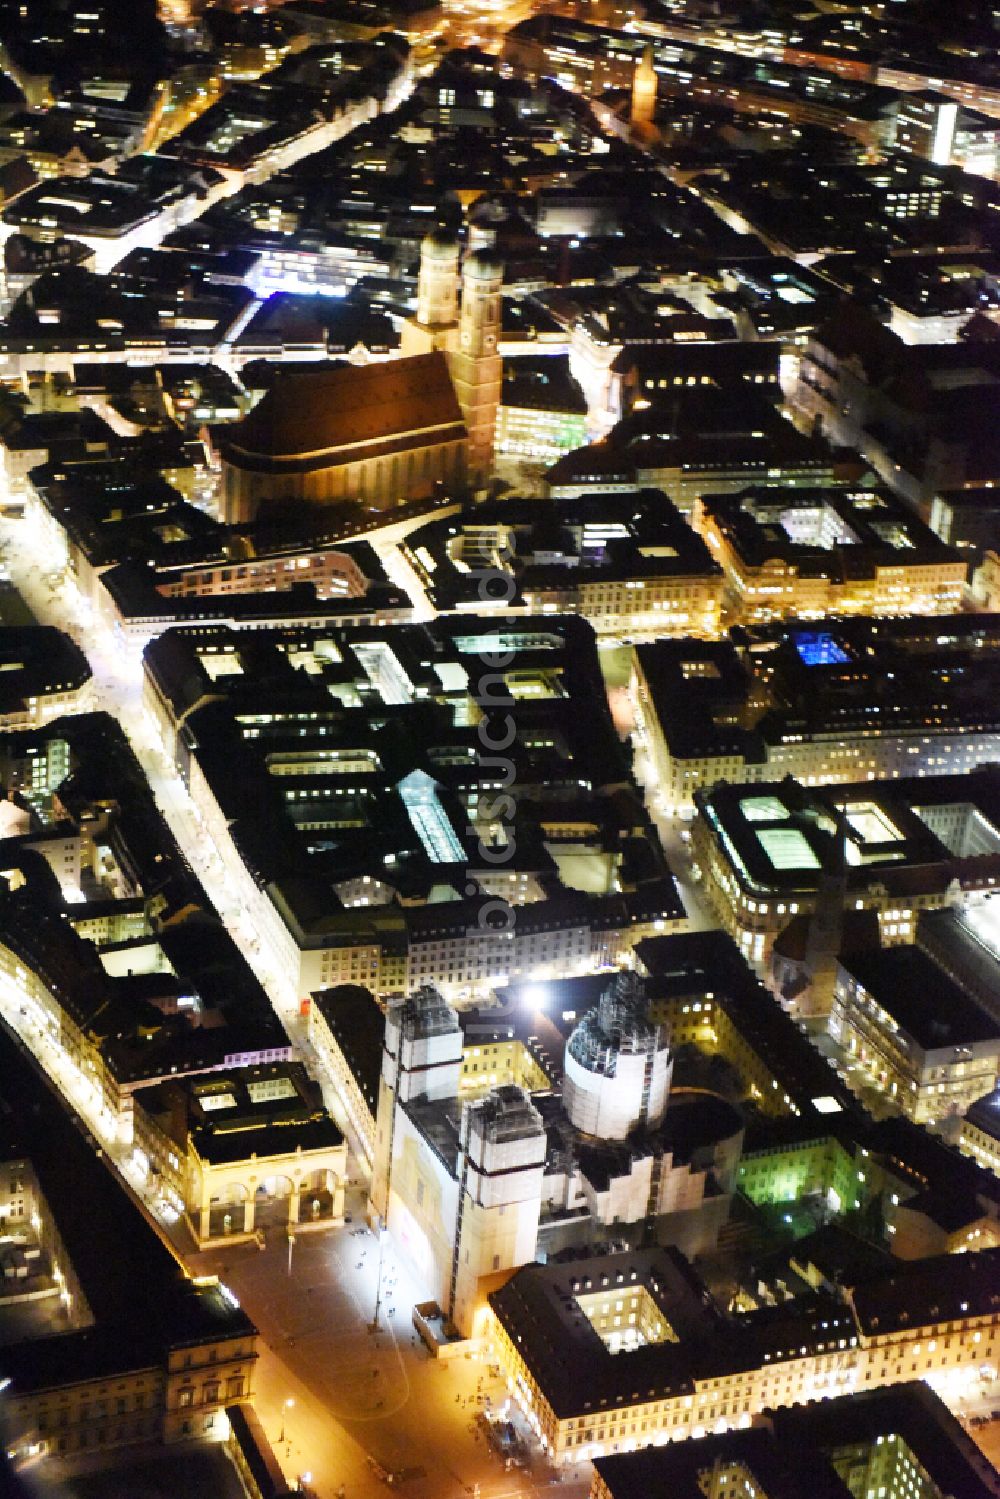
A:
x,y
141,1298
927,1005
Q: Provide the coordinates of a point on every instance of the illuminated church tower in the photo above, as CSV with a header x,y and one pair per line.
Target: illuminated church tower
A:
x,y
644,90
476,366
436,322
466,328
421,1059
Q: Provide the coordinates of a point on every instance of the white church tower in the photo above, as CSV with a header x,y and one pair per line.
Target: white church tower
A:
x,y
501,1163
421,1059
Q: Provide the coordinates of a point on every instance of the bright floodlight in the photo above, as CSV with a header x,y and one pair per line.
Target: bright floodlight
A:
x,y
536,996
826,1105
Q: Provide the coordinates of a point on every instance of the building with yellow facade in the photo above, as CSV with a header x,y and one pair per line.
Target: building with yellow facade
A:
x,y
763,854
914,1034
850,699
806,554
125,1348
672,1366
898,1443
248,1148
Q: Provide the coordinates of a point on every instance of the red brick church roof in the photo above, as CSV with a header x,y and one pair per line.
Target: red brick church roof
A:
x,y
313,415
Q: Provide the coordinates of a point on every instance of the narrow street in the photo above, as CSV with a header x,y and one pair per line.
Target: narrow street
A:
x,y
345,1402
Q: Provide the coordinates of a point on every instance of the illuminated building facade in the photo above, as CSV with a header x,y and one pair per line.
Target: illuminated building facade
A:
x,y
498,1051
277,108
333,573
113,212
628,563
603,327
117,318
476,365
581,56
910,846
930,1198
44,675
385,433
480,1219
537,431
851,700
35,1261
986,583
644,91
96,524
942,131
459,312
251,1147
392,949
436,320
145,1356
35,438
702,989
740,441
914,1033
901,1443
373,857
542,412
616,1070
834,551
138,603
105,980
784,1173
810,1147
658,372
690,1372
979,1134
346,1026
475,1186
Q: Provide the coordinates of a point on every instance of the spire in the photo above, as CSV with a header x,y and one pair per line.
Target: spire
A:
x,y
644,85
826,925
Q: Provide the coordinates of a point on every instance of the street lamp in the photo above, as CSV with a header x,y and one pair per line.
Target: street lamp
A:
x,y
287,1405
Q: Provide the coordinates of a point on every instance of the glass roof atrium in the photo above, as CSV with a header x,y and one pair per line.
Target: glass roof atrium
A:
x,y
787,848
429,819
